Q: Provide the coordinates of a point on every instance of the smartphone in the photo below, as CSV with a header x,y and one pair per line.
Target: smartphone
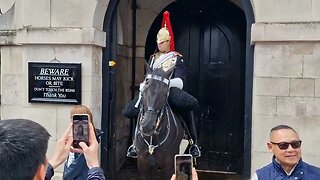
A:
x,y
80,129
183,166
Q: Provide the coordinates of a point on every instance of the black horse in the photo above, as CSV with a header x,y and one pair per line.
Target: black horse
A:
x,y
159,130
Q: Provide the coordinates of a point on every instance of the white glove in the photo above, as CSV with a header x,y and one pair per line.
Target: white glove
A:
x,y
176,82
141,86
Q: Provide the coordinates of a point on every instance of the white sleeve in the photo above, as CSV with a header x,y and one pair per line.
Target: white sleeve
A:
x,y
176,82
254,177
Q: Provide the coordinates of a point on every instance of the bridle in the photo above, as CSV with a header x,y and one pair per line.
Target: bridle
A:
x,y
159,113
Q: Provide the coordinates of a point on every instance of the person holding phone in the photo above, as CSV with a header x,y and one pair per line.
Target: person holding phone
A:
x,y
23,148
285,145
75,167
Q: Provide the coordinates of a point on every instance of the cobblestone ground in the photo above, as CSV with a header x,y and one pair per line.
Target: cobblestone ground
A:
x,y
130,172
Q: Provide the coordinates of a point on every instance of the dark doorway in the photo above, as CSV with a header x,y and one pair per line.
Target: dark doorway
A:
x,y
211,35
108,140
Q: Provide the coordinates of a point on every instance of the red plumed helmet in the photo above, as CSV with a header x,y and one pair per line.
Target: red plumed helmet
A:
x,y
166,33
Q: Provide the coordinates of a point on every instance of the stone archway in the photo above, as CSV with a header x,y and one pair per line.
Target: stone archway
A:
x,y
142,28
213,47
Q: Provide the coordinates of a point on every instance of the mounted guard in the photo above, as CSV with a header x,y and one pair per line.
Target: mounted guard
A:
x,y
180,101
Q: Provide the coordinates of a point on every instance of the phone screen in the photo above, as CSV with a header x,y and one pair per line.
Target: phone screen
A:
x,y
80,129
183,167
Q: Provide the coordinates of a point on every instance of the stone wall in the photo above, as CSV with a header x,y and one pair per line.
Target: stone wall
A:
x,y
286,87
41,31
286,80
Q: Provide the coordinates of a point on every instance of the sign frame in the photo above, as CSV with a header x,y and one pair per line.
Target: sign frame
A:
x,y
54,82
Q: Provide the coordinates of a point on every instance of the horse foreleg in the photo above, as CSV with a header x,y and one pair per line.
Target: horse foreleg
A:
x,y
168,169
145,170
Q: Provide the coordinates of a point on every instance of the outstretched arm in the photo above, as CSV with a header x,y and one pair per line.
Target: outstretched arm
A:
x,y
61,152
62,148
91,154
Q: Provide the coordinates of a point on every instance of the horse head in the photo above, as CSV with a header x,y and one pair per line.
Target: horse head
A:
x,y
159,132
154,100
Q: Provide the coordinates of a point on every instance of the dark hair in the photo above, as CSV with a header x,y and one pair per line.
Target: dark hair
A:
x,y
280,127
23,148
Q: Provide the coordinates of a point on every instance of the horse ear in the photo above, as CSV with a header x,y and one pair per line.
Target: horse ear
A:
x,y
147,67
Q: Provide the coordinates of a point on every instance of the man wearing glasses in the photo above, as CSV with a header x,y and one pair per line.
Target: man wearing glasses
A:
x,y
285,145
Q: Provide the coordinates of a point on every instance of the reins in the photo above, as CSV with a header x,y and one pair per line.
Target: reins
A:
x,y
152,109
159,113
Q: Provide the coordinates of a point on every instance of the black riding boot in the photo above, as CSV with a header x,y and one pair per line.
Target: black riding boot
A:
x,y
190,121
183,102
131,112
132,151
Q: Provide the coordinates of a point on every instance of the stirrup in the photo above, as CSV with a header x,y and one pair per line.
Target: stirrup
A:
x,y
132,152
194,150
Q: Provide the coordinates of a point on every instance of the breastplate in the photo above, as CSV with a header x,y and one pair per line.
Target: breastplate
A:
x,y
165,61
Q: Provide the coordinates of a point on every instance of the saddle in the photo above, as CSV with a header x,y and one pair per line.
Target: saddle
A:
x,y
181,101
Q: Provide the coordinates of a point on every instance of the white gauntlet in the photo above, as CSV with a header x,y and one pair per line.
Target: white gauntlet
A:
x,y
141,86
176,82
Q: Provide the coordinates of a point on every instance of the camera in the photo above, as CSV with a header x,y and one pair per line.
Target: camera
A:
x,y
80,129
183,166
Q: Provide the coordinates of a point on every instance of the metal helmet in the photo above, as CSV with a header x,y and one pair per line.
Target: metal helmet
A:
x,y
166,33
163,35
